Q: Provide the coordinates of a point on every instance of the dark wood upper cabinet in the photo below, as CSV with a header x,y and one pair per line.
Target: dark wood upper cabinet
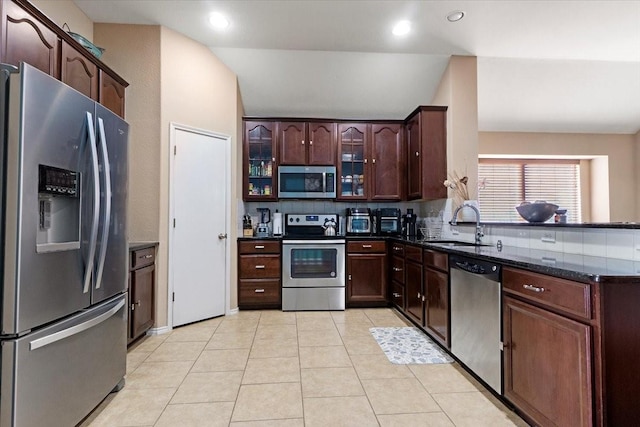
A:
x,y
426,130
387,162
78,72
111,94
353,145
303,143
27,35
26,39
259,161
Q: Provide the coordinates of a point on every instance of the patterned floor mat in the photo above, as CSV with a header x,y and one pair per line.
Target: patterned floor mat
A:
x,y
405,346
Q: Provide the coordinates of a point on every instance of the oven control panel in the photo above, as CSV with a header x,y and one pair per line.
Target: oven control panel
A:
x,y
309,219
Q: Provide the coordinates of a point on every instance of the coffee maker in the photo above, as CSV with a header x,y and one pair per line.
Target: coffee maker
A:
x,y
409,224
262,230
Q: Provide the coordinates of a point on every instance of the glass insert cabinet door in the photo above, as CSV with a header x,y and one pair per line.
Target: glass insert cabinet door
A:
x,y
260,172
352,161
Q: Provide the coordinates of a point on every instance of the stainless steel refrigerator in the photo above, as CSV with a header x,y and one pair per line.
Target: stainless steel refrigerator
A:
x,y
64,251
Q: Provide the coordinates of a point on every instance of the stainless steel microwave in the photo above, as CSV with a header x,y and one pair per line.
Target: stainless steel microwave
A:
x,y
307,182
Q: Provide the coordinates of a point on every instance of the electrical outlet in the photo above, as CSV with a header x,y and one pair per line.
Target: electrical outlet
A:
x,y
454,231
548,237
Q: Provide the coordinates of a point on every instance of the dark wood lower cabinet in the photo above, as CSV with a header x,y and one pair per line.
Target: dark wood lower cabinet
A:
x,y
547,365
259,272
436,318
415,293
141,290
367,274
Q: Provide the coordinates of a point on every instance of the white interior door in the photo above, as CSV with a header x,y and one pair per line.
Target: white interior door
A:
x,y
199,203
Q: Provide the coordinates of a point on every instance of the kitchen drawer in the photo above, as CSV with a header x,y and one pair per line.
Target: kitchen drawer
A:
x,y
437,260
259,247
142,257
564,295
397,249
366,246
259,292
397,269
413,253
259,266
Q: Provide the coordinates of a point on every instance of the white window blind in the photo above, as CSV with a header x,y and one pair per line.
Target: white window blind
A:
x,y
504,184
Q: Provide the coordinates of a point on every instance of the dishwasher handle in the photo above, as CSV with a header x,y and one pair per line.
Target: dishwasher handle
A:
x,y
475,266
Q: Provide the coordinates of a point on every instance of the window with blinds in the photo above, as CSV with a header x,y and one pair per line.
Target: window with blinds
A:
x,y
504,184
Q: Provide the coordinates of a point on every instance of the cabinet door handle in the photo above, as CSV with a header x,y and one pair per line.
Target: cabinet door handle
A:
x,y
147,256
273,159
397,295
259,267
311,142
259,291
366,246
373,160
302,142
397,269
365,161
349,277
417,154
419,296
259,246
533,288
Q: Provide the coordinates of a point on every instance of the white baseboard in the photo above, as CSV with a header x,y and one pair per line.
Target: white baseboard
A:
x,y
233,311
159,331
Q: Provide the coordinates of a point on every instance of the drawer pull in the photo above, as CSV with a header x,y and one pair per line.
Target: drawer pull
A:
x,y
259,267
147,256
259,246
396,248
259,291
533,288
366,246
397,295
397,269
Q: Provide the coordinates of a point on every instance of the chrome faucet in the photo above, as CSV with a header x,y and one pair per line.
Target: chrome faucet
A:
x,y
479,232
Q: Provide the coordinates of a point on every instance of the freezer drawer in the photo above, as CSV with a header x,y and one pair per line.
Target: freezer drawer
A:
x,y
57,375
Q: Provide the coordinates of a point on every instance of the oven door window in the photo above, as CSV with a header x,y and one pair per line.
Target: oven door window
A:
x,y
302,182
313,263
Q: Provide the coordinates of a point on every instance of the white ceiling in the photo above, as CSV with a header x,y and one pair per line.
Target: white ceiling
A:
x,y
561,66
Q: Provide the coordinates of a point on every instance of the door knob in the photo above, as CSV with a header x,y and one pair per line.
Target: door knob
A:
x,y
222,236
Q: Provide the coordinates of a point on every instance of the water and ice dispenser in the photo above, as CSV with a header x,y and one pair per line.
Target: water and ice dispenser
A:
x,y
59,209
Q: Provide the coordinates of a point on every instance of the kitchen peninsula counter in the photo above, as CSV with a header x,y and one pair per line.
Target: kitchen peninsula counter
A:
x,y
583,268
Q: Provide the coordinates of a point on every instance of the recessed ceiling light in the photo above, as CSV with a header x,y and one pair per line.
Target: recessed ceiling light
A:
x,y
455,16
218,21
401,28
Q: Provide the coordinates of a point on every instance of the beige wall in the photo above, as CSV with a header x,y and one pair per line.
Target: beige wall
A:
x,y
621,151
172,79
458,90
198,90
66,12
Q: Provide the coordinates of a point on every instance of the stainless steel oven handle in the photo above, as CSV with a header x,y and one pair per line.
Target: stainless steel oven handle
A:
x,y
313,242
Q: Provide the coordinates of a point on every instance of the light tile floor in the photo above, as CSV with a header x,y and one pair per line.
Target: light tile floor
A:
x,y
273,368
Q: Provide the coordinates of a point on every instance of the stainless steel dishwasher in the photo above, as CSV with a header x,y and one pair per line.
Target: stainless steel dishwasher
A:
x,y
476,317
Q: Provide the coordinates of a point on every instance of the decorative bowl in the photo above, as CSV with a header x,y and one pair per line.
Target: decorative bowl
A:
x,y
539,211
95,50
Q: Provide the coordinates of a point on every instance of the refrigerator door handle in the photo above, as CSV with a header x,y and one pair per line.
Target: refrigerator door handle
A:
x,y
74,330
107,202
96,204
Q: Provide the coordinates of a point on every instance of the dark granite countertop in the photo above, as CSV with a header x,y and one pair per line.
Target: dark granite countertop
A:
x,y
576,267
583,268
622,224
133,246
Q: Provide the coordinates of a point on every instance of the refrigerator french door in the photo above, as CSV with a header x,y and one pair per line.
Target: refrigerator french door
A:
x,y
64,243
